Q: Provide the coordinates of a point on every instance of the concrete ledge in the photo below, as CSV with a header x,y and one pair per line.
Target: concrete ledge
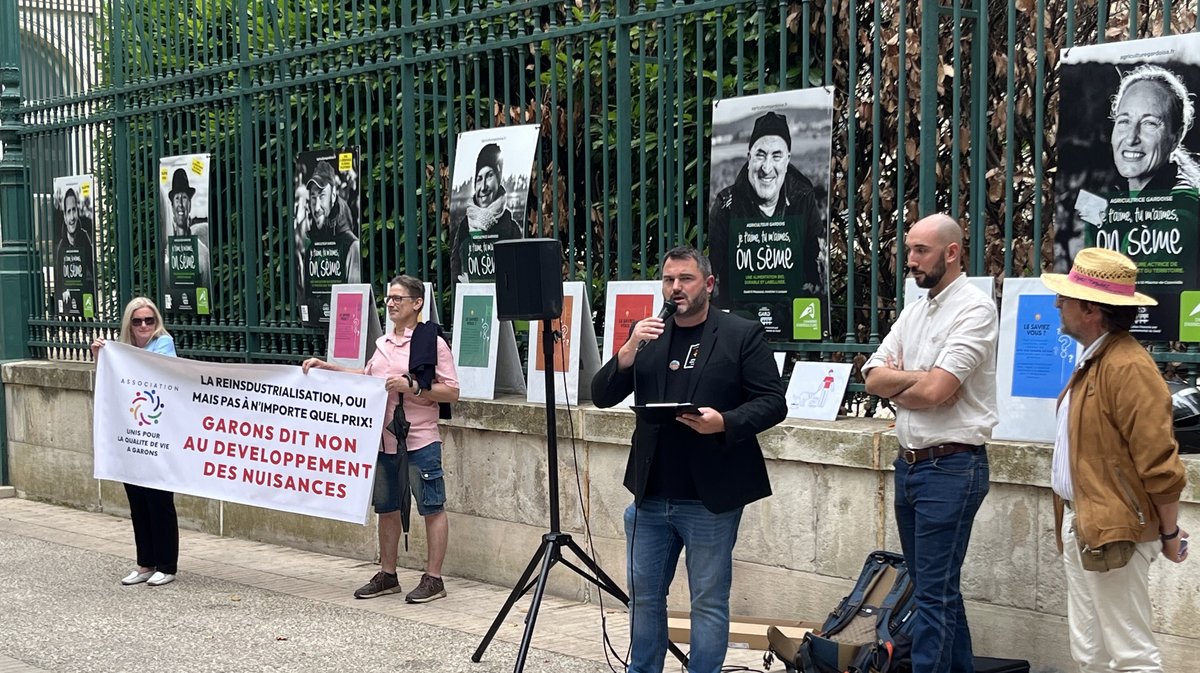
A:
x,y
50,374
8,491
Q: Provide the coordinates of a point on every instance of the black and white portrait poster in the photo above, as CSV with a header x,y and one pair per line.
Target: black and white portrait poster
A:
x,y
326,228
492,172
74,249
1128,174
183,188
769,210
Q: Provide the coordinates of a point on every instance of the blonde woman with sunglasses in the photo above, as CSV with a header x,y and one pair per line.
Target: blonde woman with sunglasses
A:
x,y
155,525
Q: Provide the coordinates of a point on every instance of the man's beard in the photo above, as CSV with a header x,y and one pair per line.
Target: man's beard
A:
x,y
931,279
694,305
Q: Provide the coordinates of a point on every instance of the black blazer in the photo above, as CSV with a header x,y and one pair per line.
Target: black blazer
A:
x,y
736,375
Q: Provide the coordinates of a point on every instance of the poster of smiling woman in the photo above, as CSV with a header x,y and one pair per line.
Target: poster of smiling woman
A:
x,y
74,249
492,172
769,210
183,189
1128,174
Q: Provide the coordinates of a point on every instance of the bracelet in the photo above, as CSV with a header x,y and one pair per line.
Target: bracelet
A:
x,y
1172,536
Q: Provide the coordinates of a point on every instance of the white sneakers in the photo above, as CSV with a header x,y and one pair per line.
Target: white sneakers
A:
x,y
159,579
152,579
136,577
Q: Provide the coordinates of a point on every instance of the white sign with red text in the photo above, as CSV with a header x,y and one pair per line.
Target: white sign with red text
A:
x,y
262,435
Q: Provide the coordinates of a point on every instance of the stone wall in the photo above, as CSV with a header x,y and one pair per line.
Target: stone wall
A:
x,y
797,553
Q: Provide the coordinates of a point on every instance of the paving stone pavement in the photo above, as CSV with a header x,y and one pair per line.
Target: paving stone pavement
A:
x,y
241,605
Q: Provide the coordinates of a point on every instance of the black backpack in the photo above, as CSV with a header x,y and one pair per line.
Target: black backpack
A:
x,y
870,631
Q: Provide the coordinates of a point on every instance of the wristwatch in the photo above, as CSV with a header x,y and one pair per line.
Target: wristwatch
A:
x,y
1166,538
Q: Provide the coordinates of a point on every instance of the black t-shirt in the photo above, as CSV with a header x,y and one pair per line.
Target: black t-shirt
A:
x,y
671,471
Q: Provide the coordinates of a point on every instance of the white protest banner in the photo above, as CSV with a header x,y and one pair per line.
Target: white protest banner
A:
x,y
262,435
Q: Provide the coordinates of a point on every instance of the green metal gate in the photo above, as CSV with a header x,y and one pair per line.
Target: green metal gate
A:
x,y
945,105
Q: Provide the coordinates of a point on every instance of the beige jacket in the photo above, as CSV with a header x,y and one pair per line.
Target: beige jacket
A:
x,y
1123,455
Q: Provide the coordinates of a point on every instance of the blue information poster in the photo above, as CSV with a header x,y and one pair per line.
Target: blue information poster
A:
x,y
1043,357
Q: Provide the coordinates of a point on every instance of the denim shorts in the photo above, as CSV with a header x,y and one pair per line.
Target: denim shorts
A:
x,y
424,477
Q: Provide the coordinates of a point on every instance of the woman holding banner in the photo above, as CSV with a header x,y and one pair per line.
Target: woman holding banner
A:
x,y
155,526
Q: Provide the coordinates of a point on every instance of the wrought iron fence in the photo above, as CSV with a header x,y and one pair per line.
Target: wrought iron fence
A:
x,y
947,105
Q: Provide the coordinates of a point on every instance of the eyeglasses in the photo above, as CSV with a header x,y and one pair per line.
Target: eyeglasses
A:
x,y
148,322
395,298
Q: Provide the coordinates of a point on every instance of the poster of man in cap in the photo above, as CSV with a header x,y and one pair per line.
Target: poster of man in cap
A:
x,y
768,210
74,252
1128,174
183,187
492,172
326,228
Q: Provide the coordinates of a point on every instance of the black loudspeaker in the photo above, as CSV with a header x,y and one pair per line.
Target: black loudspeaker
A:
x,y
529,284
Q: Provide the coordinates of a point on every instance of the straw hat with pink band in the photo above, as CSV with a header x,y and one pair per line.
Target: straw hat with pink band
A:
x,y
1102,276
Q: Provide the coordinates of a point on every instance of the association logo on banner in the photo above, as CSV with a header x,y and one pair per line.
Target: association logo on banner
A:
x,y
147,407
806,318
1189,315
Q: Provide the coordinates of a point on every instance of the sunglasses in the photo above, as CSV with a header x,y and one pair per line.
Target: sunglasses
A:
x,y
148,322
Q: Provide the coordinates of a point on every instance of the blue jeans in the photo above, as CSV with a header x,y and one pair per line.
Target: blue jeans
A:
x,y
936,502
655,533
425,480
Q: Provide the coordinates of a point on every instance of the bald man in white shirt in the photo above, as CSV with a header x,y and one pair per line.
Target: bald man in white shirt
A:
x,y
938,366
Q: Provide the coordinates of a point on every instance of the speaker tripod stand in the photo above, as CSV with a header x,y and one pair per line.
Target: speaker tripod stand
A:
x,y
554,542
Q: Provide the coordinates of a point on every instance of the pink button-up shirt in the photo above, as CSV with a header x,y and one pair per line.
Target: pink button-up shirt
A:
x,y
391,359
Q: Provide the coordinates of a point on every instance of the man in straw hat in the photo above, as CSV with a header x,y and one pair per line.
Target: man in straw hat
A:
x,y
938,366
1116,472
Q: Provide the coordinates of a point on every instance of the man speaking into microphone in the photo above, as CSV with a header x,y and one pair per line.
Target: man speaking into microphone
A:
x,y
690,476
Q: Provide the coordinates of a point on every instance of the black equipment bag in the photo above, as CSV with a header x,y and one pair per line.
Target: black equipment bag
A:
x,y
870,631
991,665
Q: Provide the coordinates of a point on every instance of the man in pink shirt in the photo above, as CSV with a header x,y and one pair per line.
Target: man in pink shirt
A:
x,y
397,359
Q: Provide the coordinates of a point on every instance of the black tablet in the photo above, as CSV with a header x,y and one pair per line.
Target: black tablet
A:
x,y
663,412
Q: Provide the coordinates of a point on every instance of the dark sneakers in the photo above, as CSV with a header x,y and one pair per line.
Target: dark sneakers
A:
x,y
381,584
430,589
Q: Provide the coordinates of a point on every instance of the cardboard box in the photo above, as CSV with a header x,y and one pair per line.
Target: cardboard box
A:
x,y
747,633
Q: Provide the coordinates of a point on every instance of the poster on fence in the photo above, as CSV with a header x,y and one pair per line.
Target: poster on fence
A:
x,y
183,189
74,250
575,354
262,435
1128,177
493,169
816,389
1034,361
627,302
325,229
769,210
484,346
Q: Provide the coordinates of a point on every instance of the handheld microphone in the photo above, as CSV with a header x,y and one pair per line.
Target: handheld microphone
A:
x,y
668,308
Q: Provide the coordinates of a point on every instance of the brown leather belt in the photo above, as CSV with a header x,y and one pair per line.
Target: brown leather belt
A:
x,y
911,456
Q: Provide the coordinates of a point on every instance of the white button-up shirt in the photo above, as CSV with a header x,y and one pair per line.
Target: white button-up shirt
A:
x,y
955,331
1060,465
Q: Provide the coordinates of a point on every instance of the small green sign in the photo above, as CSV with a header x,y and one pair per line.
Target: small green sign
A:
x,y
806,318
202,300
89,305
1189,315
